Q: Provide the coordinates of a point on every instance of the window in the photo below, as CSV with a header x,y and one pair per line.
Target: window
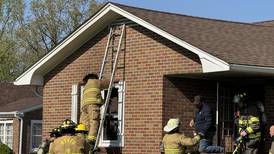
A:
x,y
6,132
74,102
36,134
113,129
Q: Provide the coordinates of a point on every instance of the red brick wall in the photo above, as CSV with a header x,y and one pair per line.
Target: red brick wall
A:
x,y
178,98
34,115
148,58
16,137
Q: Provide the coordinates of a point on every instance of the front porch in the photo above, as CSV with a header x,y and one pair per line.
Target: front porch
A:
x,y
218,90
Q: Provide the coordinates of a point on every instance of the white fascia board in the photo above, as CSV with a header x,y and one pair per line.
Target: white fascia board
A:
x,y
11,114
252,69
30,77
209,63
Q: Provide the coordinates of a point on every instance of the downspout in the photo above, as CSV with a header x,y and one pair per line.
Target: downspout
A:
x,y
19,116
217,112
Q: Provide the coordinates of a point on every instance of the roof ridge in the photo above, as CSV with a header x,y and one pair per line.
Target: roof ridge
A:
x,y
258,22
190,16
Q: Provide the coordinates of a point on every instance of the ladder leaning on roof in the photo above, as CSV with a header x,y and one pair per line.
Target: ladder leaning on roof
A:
x,y
115,31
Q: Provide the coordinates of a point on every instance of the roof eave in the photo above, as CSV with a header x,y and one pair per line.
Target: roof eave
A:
x,y
20,113
269,71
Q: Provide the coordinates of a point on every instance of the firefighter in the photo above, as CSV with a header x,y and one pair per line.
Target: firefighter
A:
x,y
175,142
91,103
69,143
248,124
44,147
82,132
271,132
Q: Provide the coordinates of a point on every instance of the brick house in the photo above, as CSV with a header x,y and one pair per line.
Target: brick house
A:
x,y
20,117
168,58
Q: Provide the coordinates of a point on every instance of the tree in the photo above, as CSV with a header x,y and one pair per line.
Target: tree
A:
x,y
10,11
49,22
30,29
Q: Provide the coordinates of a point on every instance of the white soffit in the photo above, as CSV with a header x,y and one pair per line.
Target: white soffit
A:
x,y
34,75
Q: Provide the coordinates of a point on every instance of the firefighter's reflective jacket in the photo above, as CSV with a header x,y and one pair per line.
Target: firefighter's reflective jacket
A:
x,y
176,143
92,91
68,145
251,125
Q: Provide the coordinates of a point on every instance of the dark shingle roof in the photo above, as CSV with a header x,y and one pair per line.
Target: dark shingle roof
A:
x,y
265,23
21,104
233,42
17,98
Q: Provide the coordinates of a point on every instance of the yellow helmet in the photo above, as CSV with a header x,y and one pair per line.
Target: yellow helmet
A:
x,y
80,127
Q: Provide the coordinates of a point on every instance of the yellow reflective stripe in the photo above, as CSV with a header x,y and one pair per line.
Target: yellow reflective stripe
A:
x,y
253,120
173,150
254,136
242,122
249,130
91,101
89,137
91,90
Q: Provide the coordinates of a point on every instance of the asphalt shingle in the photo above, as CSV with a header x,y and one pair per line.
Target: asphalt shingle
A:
x,y
233,42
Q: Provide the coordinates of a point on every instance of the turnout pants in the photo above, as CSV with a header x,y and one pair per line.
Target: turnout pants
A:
x,y
251,147
90,117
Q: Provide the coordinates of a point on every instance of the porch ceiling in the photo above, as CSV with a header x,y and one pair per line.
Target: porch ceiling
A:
x,y
226,76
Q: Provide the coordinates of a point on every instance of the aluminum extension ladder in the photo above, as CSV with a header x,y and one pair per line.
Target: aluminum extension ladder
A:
x,y
115,31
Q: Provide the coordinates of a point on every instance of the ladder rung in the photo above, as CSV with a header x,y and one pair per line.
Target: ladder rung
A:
x,y
121,67
116,34
111,46
115,49
106,61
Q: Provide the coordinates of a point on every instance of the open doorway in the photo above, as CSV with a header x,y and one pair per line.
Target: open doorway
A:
x,y
227,128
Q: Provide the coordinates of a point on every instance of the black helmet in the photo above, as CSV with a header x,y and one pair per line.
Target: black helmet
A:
x,y
56,132
68,127
239,97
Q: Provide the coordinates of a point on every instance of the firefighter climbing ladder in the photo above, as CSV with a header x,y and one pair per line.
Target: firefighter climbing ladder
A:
x,y
115,31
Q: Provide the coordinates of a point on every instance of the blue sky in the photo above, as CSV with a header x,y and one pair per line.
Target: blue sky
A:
x,y
232,10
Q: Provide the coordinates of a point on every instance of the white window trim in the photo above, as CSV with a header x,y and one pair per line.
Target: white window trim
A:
x,y
33,122
5,122
121,107
74,102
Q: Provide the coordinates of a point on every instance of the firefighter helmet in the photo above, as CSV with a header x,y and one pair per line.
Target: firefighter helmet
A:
x,y
239,97
80,127
56,132
68,124
172,124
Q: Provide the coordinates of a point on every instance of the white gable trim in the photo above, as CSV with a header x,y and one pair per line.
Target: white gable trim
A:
x,y
30,78
33,75
209,62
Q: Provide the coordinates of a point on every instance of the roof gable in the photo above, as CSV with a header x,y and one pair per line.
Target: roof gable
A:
x,y
217,43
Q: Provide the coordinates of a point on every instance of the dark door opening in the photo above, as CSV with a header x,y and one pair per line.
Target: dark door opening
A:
x,y
227,128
